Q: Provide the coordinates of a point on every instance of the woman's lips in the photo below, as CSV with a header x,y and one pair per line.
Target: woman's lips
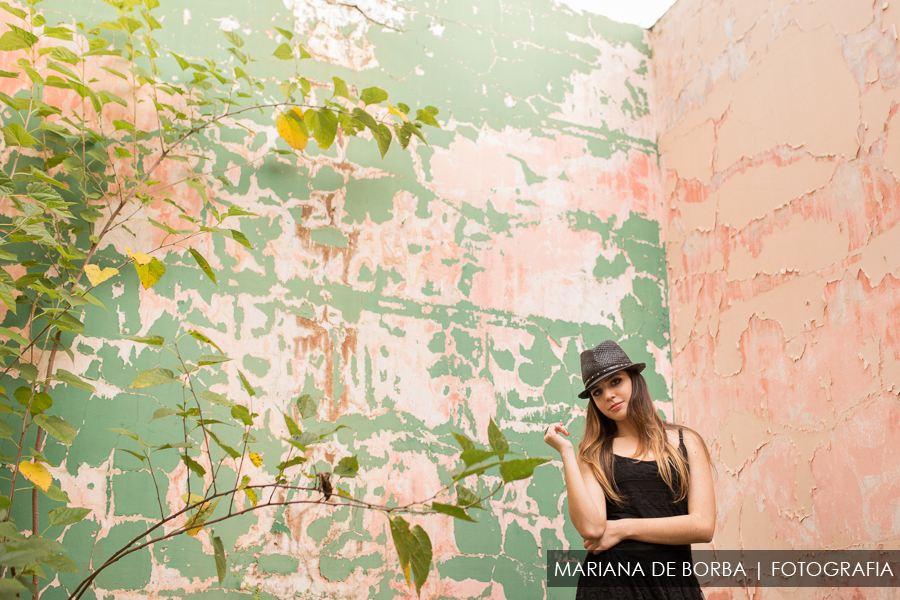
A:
x,y
617,405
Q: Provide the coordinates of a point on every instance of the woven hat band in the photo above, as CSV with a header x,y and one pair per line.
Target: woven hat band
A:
x,y
597,377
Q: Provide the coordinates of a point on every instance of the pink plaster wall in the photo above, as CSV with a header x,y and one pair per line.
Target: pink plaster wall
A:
x,y
780,151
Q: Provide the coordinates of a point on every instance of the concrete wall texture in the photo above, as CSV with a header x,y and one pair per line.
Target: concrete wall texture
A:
x,y
453,283
780,156
413,296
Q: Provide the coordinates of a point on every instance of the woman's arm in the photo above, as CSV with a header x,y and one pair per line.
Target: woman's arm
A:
x,y
695,527
587,504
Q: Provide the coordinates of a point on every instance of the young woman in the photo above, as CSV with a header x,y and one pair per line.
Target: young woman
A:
x,y
640,490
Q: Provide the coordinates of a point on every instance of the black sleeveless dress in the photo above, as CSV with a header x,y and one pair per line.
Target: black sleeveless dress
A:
x,y
646,496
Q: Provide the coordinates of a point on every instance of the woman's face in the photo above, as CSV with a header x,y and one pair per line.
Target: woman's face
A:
x,y
612,394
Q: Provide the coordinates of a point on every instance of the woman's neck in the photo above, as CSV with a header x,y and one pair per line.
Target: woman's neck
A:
x,y
625,429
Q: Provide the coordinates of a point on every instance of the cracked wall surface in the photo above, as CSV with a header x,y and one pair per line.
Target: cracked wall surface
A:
x,y
413,296
780,156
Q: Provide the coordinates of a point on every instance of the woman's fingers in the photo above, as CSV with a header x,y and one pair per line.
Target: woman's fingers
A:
x,y
557,428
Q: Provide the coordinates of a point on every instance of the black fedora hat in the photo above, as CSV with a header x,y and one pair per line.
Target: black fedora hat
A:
x,y
602,361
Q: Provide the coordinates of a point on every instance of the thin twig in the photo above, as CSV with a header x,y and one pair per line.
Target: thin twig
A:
x,y
365,16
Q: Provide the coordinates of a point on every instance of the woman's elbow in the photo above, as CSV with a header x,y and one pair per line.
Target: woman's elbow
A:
x,y
592,531
705,531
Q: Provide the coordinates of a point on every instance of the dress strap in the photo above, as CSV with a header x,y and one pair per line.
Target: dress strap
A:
x,y
681,445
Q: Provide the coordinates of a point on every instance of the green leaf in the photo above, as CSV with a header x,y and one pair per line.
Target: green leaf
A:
x,y
122,125
16,11
307,406
202,338
221,563
152,377
477,468
496,438
216,398
241,414
373,95
340,88
73,380
193,465
287,34
15,135
203,265
39,404
453,511
234,38
60,563
380,132
382,135
128,433
347,467
56,494
414,551
283,51
7,297
11,40
239,55
140,457
14,336
293,429
7,186
427,117
57,427
7,431
464,442
240,238
228,449
11,588
466,497
236,211
323,125
162,413
211,359
65,55
150,273
475,455
130,24
513,470
27,372
181,62
152,340
65,515
364,117
246,383
197,185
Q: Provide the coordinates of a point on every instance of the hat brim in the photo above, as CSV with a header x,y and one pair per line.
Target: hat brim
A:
x,y
637,367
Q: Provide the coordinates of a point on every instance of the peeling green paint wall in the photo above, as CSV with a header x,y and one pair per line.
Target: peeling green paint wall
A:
x,y
414,296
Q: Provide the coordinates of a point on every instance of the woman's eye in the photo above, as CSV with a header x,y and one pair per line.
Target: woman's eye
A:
x,y
616,381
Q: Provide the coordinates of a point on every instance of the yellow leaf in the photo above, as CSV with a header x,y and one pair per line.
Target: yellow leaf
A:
x,y
194,499
96,276
256,459
251,495
292,128
138,257
36,473
394,111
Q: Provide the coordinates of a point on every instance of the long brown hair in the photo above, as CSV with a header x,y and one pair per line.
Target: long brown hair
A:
x,y
596,446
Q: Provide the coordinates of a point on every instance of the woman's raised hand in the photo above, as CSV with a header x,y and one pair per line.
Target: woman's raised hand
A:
x,y
554,437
